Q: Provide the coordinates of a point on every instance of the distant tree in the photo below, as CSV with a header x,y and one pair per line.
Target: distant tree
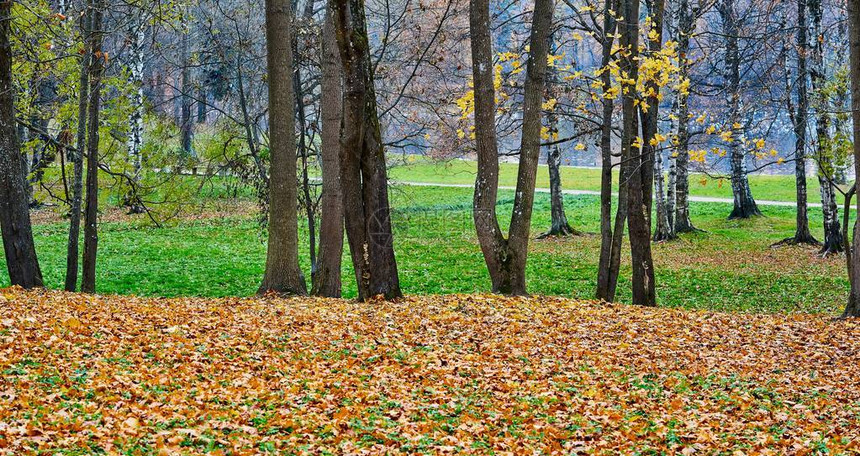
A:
x,y
744,204
363,174
21,261
506,257
282,260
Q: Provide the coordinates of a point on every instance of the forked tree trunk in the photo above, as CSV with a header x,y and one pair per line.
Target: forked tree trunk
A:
x,y
610,237
506,258
641,164
744,204
72,247
364,179
91,236
853,307
282,275
327,272
17,232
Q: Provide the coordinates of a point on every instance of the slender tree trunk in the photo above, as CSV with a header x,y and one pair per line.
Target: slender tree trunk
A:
x,y
559,225
72,253
610,237
744,204
91,237
301,117
364,179
664,230
186,125
641,164
327,271
833,241
802,234
135,127
17,232
282,274
681,217
853,307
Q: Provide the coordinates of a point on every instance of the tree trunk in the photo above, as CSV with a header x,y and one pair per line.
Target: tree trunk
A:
x,y
506,258
135,127
326,274
17,232
186,125
282,274
801,234
681,215
853,307
664,230
364,179
72,253
91,237
303,149
559,225
833,241
744,204
641,164
610,238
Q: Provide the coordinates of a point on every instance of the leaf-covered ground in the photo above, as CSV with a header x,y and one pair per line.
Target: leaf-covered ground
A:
x,y
452,374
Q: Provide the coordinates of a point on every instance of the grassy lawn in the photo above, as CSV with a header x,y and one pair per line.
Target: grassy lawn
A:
x,y
729,267
764,187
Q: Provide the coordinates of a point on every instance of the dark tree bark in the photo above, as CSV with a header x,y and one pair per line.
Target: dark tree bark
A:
x,y
282,275
639,160
327,271
833,241
853,307
364,179
72,247
610,237
744,204
800,119
559,225
506,258
17,232
91,237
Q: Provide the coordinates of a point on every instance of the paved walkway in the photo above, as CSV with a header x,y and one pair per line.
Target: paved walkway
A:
x,y
699,199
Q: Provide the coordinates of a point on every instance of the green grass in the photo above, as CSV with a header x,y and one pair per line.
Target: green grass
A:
x,y
729,267
764,187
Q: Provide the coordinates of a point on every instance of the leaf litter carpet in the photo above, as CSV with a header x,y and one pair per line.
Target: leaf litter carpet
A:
x,y
436,375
